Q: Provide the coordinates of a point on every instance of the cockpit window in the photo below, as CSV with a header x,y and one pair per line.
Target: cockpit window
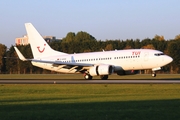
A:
x,y
158,54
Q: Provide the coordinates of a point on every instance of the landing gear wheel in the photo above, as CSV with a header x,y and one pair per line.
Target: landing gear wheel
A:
x,y
153,74
104,77
88,77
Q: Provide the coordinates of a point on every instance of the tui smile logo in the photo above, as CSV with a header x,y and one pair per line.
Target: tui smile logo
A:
x,y
41,51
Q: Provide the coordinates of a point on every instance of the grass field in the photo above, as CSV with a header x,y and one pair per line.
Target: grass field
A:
x,y
89,101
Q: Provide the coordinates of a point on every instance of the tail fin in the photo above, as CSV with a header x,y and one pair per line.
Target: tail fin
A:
x,y
39,46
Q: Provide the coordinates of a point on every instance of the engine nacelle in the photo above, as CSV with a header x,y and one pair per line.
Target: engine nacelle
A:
x,y
101,70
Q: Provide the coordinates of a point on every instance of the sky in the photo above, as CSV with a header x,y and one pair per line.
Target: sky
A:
x,y
103,19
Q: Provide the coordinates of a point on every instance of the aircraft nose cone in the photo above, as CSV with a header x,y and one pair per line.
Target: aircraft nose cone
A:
x,y
169,59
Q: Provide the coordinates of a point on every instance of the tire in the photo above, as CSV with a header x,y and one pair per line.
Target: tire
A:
x,y
104,77
87,77
154,75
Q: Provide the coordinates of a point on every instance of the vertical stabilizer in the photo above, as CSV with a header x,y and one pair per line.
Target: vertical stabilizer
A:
x,y
39,46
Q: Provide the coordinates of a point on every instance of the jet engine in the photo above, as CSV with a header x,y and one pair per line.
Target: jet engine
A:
x,y
101,70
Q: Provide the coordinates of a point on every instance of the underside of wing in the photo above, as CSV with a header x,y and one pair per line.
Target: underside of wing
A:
x,y
63,63
68,66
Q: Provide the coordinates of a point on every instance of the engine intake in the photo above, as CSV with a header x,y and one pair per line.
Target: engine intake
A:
x,y
101,70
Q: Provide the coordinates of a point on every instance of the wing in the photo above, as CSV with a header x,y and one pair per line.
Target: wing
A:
x,y
80,67
62,63
67,65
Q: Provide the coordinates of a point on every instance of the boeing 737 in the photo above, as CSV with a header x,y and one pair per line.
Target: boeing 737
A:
x,y
93,63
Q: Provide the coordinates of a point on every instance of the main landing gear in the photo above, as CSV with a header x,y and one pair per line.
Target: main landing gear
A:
x,y
104,77
89,77
153,74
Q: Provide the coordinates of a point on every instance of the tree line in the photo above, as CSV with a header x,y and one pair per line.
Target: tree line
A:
x,y
84,42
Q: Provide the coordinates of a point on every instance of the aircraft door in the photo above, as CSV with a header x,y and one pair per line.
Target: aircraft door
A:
x,y
146,56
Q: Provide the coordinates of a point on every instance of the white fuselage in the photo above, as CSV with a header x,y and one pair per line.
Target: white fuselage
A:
x,y
132,59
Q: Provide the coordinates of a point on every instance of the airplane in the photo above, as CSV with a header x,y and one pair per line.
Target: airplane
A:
x,y
91,64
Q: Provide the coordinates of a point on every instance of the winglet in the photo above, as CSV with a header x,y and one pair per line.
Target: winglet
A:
x,y
21,57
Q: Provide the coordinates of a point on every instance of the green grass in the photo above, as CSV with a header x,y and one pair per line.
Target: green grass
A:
x,y
94,101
